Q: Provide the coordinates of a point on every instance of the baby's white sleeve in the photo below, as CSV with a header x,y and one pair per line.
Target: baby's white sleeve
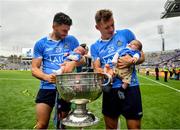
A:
x,y
136,56
115,58
73,57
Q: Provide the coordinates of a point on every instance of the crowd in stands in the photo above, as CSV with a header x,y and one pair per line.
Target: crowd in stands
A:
x,y
11,63
171,59
161,57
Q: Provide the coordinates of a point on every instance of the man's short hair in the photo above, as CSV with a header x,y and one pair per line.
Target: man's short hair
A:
x,y
61,18
103,15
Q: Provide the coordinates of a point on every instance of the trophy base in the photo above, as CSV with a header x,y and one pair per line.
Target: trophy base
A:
x,y
74,120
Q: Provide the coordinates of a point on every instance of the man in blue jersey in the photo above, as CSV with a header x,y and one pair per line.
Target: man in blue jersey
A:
x,y
47,58
102,52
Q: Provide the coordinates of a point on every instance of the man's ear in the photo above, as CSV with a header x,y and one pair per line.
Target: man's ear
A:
x,y
97,27
53,26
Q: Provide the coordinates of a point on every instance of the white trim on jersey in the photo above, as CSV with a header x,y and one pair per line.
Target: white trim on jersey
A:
x,y
115,58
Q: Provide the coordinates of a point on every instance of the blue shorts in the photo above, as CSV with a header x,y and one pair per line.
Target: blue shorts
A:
x,y
130,107
48,97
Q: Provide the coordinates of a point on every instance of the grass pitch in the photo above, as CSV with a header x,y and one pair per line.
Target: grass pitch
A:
x,y
161,103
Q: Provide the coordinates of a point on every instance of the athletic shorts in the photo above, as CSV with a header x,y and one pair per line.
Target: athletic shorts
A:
x,y
48,96
130,107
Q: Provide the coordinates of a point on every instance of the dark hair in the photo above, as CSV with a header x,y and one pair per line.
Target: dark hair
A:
x,y
85,46
139,44
61,18
103,15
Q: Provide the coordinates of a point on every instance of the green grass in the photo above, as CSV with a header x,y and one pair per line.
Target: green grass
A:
x,y
161,105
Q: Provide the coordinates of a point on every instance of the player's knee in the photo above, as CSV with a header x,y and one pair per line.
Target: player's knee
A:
x,y
111,126
111,123
134,124
41,125
137,126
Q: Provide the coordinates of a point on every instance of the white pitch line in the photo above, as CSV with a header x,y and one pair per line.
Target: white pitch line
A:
x,y
15,79
160,83
148,84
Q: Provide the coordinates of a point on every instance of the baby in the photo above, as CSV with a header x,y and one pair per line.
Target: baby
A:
x,y
74,55
77,54
132,53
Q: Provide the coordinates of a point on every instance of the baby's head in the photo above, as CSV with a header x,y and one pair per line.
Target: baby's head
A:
x,y
82,49
135,45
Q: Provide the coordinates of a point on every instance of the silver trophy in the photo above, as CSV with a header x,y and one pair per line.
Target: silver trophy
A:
x,y
80,89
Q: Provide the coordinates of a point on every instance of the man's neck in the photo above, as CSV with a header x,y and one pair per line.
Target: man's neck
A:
x,y
54,37
105,38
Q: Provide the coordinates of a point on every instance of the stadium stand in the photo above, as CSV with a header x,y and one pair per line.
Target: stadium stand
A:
x,y
161,57
14,62
171,58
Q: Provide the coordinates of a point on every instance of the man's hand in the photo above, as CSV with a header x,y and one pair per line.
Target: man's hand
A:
x,y
37,72
97,66
124,62
98,70
51,78
142,58
68,67
108,70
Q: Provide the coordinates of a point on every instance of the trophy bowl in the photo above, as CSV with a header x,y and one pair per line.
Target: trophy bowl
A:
x,y
80,89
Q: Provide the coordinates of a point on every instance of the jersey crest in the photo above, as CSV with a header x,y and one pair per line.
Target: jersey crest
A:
x,y
119,43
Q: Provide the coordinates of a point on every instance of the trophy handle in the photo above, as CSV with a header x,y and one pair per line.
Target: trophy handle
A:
x,y
109,79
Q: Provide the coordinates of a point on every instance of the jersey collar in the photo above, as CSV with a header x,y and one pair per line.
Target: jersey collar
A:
x,y
101,40
50,39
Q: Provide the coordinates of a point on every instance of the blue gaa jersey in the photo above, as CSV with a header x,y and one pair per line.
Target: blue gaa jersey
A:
x,y
129,51
104,51
52,54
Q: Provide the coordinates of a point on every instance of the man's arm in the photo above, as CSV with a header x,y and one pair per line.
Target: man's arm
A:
x,y
37,72
97,66
124,62
142,58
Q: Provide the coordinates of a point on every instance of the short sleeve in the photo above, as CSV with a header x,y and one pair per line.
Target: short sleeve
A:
x,y
74,42
94,52
130,35
38,50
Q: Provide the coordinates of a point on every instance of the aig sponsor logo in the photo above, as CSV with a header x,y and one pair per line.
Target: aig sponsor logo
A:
x,y
57,58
